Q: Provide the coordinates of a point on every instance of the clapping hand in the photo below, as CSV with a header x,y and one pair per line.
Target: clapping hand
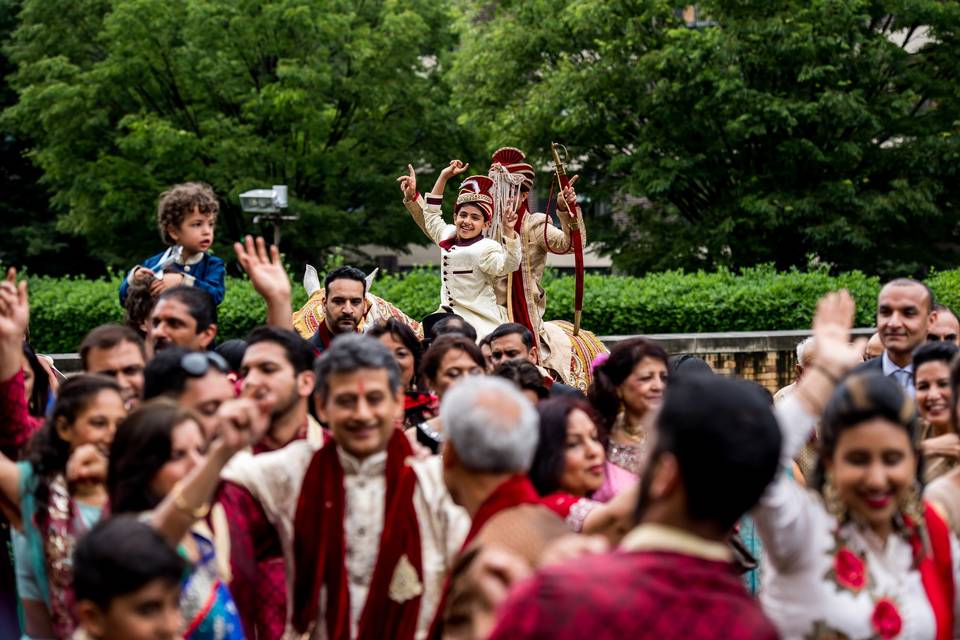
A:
x,y
408,184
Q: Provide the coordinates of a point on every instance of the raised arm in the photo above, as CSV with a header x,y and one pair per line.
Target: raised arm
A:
x,y
455,168
269,278
240,423
568,211
784,515
412,200
16,423
14,320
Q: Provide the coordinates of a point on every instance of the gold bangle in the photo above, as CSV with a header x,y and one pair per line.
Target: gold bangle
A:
x,y
180,503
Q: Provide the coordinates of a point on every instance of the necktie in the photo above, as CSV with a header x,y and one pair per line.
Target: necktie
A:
x,y
904,378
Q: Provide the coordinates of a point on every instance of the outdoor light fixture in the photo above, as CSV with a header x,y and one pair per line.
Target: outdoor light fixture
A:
x,y
264,200
268,205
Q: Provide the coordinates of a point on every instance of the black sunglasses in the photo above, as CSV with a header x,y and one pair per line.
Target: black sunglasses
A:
x,y
197,363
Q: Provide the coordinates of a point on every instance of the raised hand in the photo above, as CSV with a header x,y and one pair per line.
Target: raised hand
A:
x,y
87,464
455,168
947,445
14,308
265,269
569,196
508,220
408,184
831,332
240,423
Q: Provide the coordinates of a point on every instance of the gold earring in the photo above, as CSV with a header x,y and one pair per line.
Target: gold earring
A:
x,y
912,505
832,500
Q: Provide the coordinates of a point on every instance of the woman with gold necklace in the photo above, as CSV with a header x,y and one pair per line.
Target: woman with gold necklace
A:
x,y
626,391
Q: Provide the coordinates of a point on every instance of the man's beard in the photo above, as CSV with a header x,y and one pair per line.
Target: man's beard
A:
x,y
337,328
284,407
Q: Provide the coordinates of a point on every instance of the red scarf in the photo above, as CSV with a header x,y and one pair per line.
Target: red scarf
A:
x,y
324,337
560,502
455,241
513,492
419,400
319,549
936,571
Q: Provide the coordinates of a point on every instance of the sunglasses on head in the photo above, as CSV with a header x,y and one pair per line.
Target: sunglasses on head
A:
x,y
197,363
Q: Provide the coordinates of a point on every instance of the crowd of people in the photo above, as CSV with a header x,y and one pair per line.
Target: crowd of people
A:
x,y
371,482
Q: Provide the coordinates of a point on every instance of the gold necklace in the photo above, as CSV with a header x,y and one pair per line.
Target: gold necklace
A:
x,y
636,432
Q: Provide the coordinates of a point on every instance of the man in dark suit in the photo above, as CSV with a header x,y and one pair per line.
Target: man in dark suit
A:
x,y
905,314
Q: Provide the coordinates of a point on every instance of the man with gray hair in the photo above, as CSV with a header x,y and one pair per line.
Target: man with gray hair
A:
x,y
367,530
804,357
492,433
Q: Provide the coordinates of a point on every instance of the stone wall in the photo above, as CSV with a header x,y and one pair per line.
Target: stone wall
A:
x,y
768,357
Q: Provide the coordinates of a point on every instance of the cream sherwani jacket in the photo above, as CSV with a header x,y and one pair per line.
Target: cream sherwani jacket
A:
x,y
275,480
469,273
538,238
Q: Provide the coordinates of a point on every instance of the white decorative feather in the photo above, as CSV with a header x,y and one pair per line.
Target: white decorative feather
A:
x,y
311,280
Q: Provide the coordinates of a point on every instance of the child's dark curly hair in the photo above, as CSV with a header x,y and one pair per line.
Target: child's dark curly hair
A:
x,y
138,306
178,202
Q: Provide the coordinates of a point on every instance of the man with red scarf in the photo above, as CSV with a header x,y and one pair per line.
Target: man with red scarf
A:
x,y
492,433
368,532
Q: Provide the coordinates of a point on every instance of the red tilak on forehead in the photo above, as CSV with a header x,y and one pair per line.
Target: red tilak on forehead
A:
x,y
360,388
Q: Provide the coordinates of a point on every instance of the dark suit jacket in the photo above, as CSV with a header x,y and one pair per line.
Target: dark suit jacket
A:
x,y
873,364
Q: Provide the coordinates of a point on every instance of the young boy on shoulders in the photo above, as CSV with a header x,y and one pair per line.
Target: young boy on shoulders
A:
x,y
186,217
470,262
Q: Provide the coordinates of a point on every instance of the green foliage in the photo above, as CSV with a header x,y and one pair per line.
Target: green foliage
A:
x,y
770,131
946,287
27,225
63,310
754,299
123,98
416,292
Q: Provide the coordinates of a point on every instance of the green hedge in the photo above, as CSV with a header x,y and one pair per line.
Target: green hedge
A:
x,y
757,299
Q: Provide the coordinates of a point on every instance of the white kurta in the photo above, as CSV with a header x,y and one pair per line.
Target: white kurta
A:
x,y
468,273
275,480
798,543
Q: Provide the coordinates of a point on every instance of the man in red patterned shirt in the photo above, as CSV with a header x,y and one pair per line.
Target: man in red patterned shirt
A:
x,y
714,450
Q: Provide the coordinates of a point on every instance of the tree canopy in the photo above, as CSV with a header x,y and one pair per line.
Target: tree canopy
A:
x,y
124,98
765,132
759,133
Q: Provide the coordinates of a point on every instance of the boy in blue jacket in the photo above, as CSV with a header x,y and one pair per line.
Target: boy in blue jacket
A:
x,y
186,217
